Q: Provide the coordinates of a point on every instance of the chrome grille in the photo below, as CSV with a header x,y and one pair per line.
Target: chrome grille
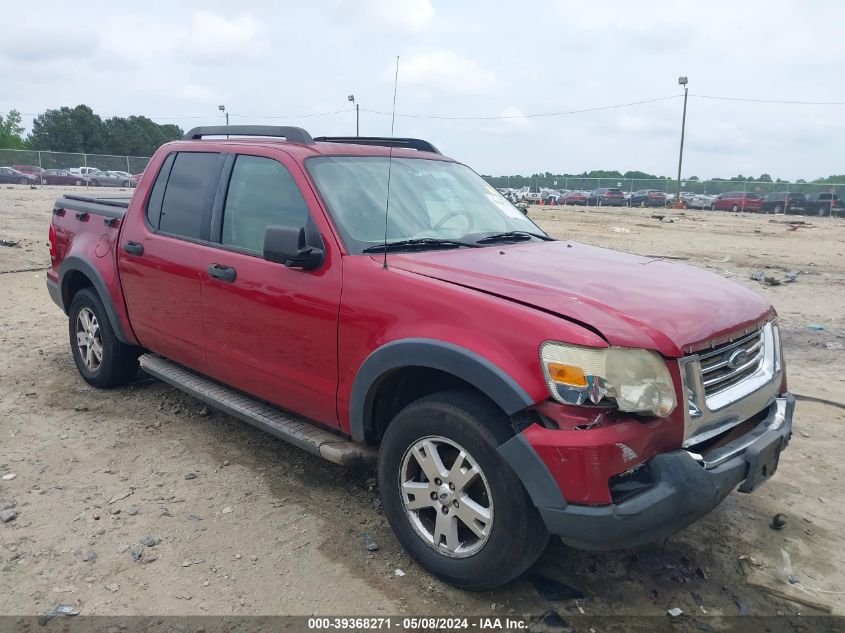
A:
x,y
730,363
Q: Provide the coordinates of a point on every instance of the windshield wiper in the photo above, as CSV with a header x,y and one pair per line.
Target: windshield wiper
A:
x,y
512,236
420,243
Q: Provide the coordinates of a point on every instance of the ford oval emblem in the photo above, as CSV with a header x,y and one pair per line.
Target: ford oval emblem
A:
x,y
737,359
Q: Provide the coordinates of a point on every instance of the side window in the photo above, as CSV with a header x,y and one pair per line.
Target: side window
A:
x,y
261,193
157,194
184,205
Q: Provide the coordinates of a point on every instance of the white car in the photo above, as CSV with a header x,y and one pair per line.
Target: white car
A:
x,y
700,201
84,171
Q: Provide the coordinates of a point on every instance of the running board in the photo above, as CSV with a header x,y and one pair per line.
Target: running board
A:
x,y
285,426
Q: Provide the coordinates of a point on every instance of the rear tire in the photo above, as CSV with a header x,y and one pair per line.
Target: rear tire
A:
x,y
713,207
23,181
101,358
821,211
735,208
435,431
78,183
778,209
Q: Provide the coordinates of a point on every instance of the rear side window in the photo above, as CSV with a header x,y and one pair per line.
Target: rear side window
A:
x,y
261,193
185,205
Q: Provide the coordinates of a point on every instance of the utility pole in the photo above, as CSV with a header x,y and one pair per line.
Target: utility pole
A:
x,y
222,108
357,114
683,82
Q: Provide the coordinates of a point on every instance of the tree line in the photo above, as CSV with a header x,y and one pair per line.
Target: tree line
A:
x,y
80,130
641,175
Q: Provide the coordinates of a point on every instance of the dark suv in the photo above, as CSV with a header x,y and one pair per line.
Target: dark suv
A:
x,y
606,196
824,204
783,200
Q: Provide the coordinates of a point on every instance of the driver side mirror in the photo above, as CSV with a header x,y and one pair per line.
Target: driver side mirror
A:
x,y
287,245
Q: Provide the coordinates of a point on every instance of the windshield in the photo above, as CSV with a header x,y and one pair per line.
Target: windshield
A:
x,y
428,199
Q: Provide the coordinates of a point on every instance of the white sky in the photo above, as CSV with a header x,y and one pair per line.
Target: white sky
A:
x,y
457,58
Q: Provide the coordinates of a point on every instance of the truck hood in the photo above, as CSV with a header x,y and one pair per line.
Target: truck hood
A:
x,y
631,301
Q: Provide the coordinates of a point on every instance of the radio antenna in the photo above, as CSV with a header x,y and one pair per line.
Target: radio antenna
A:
x,y
390,159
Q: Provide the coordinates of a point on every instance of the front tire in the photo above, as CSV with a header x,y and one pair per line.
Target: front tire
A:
x,y
735,208
453,502
713,207
101,358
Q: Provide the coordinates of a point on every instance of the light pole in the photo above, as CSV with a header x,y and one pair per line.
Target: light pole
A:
x,y
222,108
357,113
683,82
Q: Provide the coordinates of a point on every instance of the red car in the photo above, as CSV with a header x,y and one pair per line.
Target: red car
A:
x,y
574,198
737,201
507,385
61,177
32,170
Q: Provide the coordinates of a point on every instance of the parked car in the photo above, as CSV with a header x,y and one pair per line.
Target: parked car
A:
x,y
824,204
32,170
529,194
779,202
507,385
648,198
606,196
551,197
109,179
9,175
700,201
83,171
578,198
737,201
61,177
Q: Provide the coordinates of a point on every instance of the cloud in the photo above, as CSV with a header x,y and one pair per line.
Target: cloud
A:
x,y
27,39
214,38
444,71
410,16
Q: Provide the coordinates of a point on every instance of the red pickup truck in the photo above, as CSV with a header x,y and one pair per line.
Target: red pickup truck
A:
x,y
373,301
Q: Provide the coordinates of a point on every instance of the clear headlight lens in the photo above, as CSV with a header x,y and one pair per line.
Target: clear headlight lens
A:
x,y
635,380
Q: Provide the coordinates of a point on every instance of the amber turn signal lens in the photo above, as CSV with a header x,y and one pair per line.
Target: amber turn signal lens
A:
x,y
567,375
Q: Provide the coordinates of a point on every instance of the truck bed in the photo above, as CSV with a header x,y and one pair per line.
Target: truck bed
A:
x,y
105,206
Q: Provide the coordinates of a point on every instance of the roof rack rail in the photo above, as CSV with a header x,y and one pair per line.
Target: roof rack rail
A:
x,y
410,143
289,133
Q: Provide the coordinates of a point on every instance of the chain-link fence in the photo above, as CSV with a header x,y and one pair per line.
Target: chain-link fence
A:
x,y
66,160
667,185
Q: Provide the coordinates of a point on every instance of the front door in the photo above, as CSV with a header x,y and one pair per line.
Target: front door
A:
x,y
270,330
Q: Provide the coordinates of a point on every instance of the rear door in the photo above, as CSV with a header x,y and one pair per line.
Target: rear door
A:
x,y
270,330
161,257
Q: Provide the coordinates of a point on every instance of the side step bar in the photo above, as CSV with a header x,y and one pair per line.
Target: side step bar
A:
x,y
285,426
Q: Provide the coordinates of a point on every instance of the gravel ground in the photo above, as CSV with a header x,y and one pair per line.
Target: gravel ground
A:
x,y
236,522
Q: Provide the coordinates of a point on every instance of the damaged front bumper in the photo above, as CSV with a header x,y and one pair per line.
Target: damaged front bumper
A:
x,y
681,486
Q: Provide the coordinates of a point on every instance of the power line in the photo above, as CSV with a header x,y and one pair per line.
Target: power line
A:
x,y
780,101
525,116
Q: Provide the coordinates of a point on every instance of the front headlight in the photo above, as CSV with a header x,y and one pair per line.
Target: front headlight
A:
x,y
635,380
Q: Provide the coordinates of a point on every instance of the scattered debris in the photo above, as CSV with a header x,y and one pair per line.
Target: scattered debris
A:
x,y
194,518
59,609
552,590
90,557
697,598
113,587
764,581
778,522
10,476
191,476
771,280
80,407
204,412
834,345
132,511
667,220
8,515
9,243
227,510
674,612
552,620
743,608
369,543
815,327
619,229
119,496
150,541
137,552
398,572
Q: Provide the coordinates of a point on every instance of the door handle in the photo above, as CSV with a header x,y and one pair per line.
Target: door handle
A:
x,y
221,272
133,248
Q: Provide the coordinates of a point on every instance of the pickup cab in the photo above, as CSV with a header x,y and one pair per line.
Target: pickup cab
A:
x,y
377,303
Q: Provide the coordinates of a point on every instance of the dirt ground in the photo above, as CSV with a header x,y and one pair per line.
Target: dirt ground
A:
x,y
241,523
